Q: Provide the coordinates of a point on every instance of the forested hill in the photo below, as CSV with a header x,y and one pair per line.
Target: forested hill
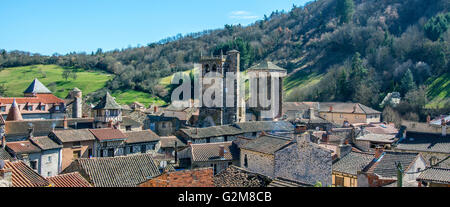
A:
x,y
357,50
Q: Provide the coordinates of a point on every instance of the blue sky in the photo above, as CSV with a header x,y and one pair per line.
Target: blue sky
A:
x,y
62,26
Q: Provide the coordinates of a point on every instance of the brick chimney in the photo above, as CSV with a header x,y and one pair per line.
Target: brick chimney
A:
x,y
222,151
65,123
428,119
325,138
378,152
189,143
110,124
311,113
331,108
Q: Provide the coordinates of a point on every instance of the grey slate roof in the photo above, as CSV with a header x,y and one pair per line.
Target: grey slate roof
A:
x,y
74,135
352,163
386,166
45,143
267,144
107,102
141,136
126,171
127,121
169,142
238,128
37,87
425,144
210,151
4,155
266,65
439,175
280,183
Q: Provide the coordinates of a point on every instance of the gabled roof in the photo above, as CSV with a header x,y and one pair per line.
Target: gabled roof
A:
x,y
69,180
202,177
379,138
43,127
352,163
125,171
438,175
210,151
74,135
425,144
45,143
266,65
14,113
24,176
37,87
169,142
107,102
385,166
108,134
341,107
267,144
141,136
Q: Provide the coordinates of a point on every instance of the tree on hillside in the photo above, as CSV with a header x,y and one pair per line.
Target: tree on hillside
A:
x,y
66,74
437,26
345,10
407,82
2,90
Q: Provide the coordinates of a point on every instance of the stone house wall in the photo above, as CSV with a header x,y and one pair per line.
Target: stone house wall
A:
x,y
257,162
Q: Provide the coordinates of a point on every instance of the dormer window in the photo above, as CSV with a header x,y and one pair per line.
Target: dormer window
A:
x,y
29,108
57,108
42,107
3,108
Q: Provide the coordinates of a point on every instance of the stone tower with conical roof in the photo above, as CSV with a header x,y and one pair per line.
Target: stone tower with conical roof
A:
x,y
14,113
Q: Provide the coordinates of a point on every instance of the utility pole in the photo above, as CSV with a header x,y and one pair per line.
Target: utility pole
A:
x,y
399,174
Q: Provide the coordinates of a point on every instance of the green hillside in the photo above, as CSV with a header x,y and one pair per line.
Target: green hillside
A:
x,y
439,91
17,79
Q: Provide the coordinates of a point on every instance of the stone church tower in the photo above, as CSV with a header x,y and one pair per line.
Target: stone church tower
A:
x,y
214,116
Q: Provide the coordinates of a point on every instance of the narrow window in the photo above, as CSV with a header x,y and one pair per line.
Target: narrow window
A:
x,y
245,161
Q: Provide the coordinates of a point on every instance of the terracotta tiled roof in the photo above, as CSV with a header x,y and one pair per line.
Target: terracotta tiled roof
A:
x,y
24,176
125,171
210,151
39,98
185,178
23,147
69,180
141,136
339,107
107,134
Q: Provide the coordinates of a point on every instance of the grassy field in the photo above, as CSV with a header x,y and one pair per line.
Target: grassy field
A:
x,y
17,80
438,91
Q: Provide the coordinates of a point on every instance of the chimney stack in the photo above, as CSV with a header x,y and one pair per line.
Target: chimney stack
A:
x,y
189,143
3,141
222,151
30,132
444,127
378,152
428,119
311,113
331,108
65,123
325,138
